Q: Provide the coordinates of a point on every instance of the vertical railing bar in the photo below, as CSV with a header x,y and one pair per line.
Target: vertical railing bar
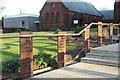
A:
x,y
86,40
100,34
111,33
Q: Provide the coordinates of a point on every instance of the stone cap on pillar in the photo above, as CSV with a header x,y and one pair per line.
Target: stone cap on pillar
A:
x,y
61,32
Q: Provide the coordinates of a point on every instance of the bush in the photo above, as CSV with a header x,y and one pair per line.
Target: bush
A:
x,y
78,29
43,59
57,31
11,65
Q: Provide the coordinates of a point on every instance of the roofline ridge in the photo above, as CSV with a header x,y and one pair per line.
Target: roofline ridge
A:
x,y
97,10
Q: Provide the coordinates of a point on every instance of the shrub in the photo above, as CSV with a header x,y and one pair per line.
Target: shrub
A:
x,y
57,31
43,59
11,65
78,29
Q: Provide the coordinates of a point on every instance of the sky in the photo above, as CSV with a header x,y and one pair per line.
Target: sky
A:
x,y
13,7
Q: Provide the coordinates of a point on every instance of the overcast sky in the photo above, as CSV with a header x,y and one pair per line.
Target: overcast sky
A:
x,y
13,7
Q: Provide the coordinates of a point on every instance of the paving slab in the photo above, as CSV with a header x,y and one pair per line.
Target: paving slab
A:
x,y
81,70
109,48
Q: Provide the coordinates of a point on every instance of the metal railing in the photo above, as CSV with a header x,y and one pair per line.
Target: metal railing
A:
x,y
61,39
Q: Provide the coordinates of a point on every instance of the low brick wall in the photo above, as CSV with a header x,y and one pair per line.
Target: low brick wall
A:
x,y
9,30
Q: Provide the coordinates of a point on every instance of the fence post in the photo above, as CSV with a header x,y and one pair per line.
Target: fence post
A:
x,y
61,50
111,33
100,34
26,63
86,40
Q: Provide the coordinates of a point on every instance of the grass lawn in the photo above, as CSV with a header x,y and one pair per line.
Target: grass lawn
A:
x,y
10,46
93,30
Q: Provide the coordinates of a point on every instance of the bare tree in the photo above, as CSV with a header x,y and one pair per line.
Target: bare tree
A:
x,y
2,6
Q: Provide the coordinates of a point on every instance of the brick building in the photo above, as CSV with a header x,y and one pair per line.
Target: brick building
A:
x,y
117,11
67,15
112,16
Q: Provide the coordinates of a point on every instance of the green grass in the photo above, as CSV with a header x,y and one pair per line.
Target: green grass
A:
x,y
92,30
10,46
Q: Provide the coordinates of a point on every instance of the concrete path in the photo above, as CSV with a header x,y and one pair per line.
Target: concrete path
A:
x,y
81,70
84,70
112,48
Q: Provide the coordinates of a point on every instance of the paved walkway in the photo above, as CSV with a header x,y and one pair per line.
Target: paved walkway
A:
x,y
81,70
84,70
110,48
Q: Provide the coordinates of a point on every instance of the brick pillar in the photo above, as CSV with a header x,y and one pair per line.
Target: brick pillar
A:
x,y
86,40
117,11
61,50
26,63
111,34
100,34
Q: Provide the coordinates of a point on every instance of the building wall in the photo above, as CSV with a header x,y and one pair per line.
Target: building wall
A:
x,y
31,24
21,22
66,17
46,20
82,19
15,22
117,11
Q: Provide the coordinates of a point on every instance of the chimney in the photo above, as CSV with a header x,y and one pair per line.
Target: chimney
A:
x,y
117,0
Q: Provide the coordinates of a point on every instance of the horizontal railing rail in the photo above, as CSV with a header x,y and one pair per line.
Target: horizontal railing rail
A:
x,y
42,35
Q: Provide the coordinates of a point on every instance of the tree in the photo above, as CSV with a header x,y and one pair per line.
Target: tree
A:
x,y
2,6
0,22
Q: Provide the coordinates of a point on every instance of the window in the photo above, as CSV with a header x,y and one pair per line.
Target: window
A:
x,y
75,21
52,5
52,17
58,17
23,23
47,17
